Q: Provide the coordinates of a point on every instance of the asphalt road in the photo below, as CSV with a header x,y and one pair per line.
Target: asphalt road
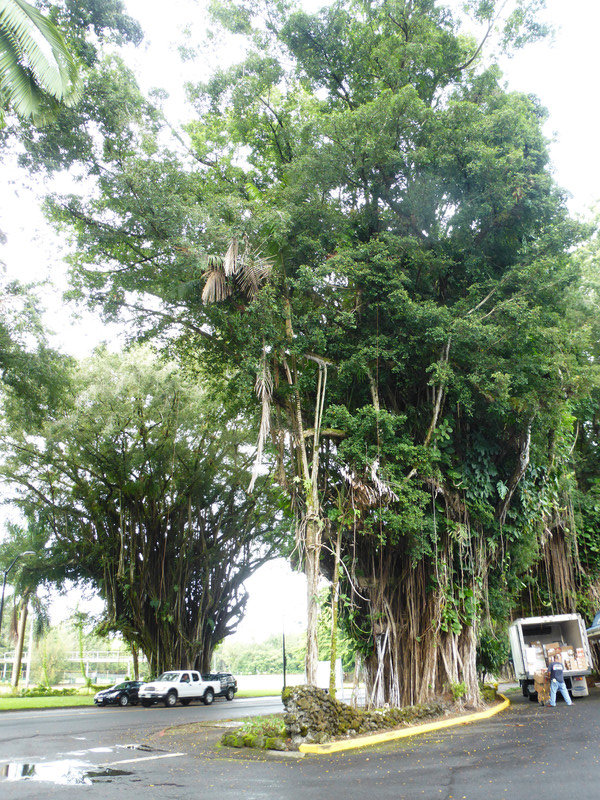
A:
x,y
525,753
50,733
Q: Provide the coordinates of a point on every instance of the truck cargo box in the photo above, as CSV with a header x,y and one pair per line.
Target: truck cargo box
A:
x,y
534,641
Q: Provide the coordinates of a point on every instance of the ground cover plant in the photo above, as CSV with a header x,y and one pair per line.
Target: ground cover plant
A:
x,y
312,715
263,733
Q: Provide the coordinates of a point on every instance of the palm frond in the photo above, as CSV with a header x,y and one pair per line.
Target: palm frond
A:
x,y
230,262
264,391
370,490
254,272
216,287
35,63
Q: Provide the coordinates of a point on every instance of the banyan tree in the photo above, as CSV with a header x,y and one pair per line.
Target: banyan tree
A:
x,y
358,235
138,485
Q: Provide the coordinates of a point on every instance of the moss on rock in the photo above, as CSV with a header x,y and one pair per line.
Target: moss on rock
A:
x,y
262,733
312,715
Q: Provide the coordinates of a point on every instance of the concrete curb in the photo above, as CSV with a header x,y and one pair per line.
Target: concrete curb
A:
x,y
414,730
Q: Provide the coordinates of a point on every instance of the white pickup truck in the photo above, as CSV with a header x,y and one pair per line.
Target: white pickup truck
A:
x,y
184,685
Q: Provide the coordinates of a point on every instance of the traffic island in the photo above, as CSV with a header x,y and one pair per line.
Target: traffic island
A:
x,y
313,716
403,733
315,723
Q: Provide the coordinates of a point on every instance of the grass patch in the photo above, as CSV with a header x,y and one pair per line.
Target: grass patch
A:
x,y
258,693
31,703
10,703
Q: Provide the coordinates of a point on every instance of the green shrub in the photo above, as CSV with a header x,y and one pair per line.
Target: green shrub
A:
x,y
263,733
458,690
492,653
46,691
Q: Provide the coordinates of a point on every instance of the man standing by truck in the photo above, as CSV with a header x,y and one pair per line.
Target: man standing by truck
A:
x,y
557,681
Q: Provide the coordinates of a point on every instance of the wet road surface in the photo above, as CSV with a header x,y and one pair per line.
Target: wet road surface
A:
x,y
525,753
31,734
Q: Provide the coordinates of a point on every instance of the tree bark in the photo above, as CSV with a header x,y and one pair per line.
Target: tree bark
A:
x,y
312,570
335,592
417,656
136,662
16,673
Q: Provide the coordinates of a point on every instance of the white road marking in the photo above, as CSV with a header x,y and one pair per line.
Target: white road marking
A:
x,y
144,758
67,712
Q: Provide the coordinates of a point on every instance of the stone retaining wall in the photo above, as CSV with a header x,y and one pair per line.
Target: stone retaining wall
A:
x,y
313,716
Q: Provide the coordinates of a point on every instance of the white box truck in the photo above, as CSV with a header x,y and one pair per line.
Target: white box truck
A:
x,y
533,642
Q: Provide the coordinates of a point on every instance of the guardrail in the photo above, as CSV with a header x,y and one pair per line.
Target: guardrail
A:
x,y
103,656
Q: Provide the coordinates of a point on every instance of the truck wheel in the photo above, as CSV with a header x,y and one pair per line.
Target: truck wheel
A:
x,y
533,696
209,696
146,703
171,699
230,694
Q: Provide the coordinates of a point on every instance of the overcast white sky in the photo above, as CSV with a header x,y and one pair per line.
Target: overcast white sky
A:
x,y
564,74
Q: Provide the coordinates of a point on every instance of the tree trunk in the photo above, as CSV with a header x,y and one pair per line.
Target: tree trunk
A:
x,y
418,654
205,661
312,570
136,662
16,673
335,591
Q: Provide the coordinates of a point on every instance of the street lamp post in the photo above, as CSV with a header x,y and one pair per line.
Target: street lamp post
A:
x,y
284,656
6,571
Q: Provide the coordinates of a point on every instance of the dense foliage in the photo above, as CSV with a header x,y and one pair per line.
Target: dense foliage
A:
x,y
360,225
139,489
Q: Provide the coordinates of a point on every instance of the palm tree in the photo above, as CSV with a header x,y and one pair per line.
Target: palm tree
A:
x,y
37,71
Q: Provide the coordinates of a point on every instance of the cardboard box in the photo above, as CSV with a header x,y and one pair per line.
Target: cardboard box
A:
x,y
534,657
541,684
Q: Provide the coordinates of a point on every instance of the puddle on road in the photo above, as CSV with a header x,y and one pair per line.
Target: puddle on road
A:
x,y
70,771
144,748
61,773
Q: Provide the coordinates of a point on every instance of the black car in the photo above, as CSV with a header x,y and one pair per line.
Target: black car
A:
x,y
228,683
122,694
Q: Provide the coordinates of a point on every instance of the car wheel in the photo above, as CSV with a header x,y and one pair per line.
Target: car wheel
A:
x,y
123,700
209,696
171,699
230,694
146,703
185,702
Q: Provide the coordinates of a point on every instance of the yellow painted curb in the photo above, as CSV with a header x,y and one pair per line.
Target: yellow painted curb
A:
x,y
414,730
